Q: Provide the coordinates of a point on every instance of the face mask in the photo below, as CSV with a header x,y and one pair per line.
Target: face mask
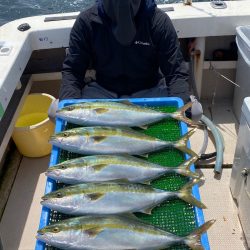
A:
x,y
122,14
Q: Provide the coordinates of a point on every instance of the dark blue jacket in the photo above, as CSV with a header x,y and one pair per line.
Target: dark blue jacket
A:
x,y
125,69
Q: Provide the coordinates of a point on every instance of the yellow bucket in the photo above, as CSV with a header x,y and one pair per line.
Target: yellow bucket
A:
x,y
33,127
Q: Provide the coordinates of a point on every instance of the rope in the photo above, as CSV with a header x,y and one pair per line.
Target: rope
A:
x,y
211,67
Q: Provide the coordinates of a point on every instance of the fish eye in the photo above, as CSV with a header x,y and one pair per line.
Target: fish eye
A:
x,y
63,167
65,134
55,230
70,108
59,195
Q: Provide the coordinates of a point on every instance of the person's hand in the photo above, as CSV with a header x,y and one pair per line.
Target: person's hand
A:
x,y
196,109
52,109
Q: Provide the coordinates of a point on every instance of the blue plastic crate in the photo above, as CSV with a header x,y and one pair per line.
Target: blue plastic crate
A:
x,y
150,102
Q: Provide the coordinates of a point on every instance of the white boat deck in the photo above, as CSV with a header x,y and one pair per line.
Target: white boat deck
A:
x,y
21,217
226,233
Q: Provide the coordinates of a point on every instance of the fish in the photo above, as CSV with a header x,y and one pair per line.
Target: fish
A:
x,y
119,113
114,198
110,140
101,168
113,232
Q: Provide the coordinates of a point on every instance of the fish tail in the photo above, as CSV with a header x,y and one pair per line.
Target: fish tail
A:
x,y
182,143
186,193
193,240
180,114
184,168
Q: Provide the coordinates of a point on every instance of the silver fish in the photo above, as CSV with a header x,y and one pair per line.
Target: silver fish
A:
x,y
100,168
115,233
121,113
109,140
113,198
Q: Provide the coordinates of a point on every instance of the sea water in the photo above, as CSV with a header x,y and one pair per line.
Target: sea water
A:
x,y
15,9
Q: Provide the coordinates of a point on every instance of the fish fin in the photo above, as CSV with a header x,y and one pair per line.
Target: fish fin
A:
x,y
127,102
184,168
147,182
126,128
101,110
130,216
186,194
98,139
144,156
93,232
147,210
95,196
194,239
182,143
144,127
99,167
180,114
121,180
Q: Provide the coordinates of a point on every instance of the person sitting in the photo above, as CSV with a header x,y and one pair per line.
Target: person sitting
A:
x,y
134,49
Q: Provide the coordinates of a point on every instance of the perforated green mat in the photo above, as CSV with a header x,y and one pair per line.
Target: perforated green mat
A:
x,y
174,216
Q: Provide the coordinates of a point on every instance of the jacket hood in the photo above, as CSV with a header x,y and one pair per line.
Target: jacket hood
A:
x,y
147,8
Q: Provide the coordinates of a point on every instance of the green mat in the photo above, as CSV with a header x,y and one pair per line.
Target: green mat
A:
x,y
174,216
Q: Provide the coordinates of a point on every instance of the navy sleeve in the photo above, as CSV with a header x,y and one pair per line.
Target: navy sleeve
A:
x,y
77,61
171,61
